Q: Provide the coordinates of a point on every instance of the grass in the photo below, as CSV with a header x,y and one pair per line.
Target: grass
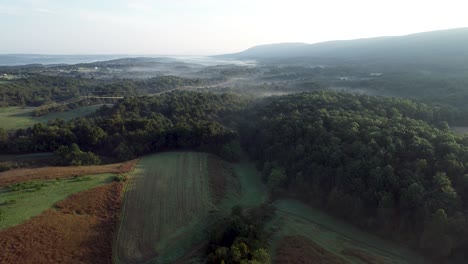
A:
x,y
166,204
336,236
31,199
17,117
251,191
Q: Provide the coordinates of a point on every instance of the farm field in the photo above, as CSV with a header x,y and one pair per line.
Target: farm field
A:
x,y
79,229
33,198
16,117
166,202
345,241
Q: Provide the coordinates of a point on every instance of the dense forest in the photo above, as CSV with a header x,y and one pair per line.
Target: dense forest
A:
x,y
388,165
37,90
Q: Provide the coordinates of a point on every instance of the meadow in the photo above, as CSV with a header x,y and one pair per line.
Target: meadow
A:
x,y
20,202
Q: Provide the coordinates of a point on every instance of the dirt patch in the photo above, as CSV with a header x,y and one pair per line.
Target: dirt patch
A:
x,y
301,250
48,173
217,178
80,230
363,256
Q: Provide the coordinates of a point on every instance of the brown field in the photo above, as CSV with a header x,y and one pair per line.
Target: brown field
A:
x,y
300,250
48,173
80,230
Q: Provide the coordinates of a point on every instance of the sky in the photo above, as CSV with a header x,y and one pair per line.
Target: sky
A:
x,y
206,27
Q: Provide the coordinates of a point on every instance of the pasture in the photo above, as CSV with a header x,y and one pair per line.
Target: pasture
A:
x,y
17,117
32,198
347,242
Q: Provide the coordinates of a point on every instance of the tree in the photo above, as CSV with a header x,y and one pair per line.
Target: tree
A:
x,y
435,240
74,156
276,178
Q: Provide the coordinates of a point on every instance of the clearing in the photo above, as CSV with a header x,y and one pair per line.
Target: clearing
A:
x,y
79,230
246,188
17,117
33,198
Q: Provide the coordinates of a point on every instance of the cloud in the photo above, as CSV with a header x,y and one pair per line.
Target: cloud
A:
x,y
44,10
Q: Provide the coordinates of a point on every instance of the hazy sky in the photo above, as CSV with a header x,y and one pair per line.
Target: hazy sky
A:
x,y
198,27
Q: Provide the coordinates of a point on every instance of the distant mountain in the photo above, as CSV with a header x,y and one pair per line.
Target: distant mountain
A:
x,y
442,48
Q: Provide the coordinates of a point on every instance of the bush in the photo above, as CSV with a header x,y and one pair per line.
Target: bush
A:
x,y
73,155
4,166
30,186
121,178
81,179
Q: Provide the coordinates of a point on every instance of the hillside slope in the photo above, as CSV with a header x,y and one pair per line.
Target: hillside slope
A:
x,y
444,47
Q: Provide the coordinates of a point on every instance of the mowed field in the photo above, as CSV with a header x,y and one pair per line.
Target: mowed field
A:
x,y
17,117
295,221
166,205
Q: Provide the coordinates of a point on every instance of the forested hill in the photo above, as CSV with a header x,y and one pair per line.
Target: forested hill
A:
x,y
387,165
440,48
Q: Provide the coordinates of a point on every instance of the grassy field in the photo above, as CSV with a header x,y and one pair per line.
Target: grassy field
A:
x,y
250,191
21,205
165,206
336,236
16,117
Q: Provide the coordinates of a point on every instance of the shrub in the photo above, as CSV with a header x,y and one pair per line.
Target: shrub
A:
x,y
121,178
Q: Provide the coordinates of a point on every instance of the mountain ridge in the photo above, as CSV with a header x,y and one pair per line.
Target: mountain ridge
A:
x,y
441,47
